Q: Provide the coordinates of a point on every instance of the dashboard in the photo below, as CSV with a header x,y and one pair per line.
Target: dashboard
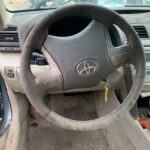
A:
x,y
10,44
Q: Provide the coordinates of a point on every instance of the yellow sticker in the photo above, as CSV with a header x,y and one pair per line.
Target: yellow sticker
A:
x,y
106,94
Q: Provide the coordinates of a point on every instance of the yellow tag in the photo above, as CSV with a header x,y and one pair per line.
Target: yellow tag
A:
x,y
106,94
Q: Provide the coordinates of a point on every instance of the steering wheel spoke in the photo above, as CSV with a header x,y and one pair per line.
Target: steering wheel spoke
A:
x,y
51,79
120,55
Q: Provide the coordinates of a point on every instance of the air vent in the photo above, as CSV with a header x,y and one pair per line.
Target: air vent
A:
x,y
141,31
147,57
6,36
9,41
10,28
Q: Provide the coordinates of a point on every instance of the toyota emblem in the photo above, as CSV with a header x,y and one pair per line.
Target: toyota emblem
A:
x,y
87,67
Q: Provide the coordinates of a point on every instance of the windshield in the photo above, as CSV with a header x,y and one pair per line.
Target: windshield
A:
x,y
44,4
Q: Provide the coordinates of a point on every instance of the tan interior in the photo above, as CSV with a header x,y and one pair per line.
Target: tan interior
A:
x,y
29,131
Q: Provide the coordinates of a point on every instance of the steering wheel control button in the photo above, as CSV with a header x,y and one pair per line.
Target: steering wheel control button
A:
x,y
87,67
10,72
40,61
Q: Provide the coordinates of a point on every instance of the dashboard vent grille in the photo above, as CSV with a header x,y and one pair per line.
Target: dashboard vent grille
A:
x,y
9,40
8,36
147,57
141,31
10,28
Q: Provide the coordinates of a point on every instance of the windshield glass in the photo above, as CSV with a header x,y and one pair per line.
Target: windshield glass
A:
x,y
44,4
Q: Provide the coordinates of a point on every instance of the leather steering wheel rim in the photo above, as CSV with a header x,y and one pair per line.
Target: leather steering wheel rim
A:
x,y
35,39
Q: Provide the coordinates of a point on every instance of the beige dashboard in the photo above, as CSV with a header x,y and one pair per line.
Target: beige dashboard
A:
x,y
10,62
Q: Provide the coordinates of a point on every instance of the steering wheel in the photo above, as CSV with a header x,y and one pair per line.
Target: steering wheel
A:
x,y
80,61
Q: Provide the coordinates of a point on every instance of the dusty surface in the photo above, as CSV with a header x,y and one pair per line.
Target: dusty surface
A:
x,y
17,4
22,4
44,136
53,138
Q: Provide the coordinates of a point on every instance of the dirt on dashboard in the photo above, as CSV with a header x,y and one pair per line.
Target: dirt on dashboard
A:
x,y
17,4
25,4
